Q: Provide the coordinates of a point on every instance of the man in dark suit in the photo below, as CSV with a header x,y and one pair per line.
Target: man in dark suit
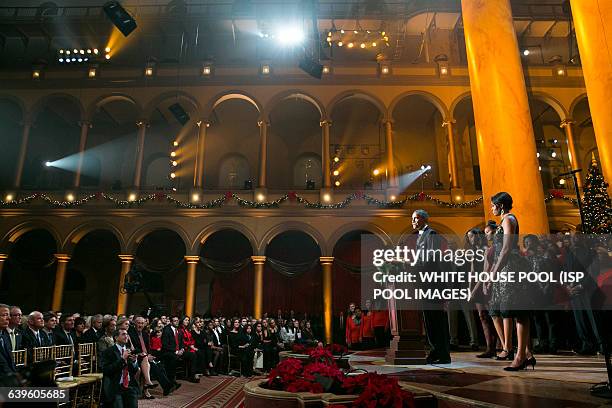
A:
x,y
64,333
172,348
14,328
120,367
141,342
7,365
48,330
33,335
94,333
434,315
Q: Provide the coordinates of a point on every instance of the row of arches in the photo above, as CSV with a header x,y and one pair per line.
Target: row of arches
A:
x,y
292,275
233,144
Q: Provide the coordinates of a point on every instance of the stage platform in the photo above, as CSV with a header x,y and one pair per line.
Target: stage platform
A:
x,y
557,381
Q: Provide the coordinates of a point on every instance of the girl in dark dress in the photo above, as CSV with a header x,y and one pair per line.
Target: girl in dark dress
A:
x,y
270,345
247,343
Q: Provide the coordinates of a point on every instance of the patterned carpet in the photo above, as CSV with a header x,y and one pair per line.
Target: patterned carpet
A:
x,y
217,392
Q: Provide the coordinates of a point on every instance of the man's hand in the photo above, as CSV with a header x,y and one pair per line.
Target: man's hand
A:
x,y
125,354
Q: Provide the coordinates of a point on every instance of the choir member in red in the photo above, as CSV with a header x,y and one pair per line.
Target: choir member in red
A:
x,y
353,330
367,330
380,325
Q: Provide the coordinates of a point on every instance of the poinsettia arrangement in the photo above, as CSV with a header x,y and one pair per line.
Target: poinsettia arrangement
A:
x,y
335,349
321,374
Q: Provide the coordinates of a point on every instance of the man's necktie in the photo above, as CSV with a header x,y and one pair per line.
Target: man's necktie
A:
x,y
176,339
13,341
125,379
38,342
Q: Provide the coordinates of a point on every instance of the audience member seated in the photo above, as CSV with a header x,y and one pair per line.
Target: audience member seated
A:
x,y
7,366
63,333
50,320
14,328
108,328
79,330
93,334
246,350
172,349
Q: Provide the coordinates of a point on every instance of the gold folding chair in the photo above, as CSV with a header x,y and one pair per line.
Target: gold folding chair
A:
x,y
20,357
43,354
90,383
64,356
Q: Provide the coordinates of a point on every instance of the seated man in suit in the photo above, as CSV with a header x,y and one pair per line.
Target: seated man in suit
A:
x,y
94,333
7,366
120,367
63,333
14,328
33,336
48,330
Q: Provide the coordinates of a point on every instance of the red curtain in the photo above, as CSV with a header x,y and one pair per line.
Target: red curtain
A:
x,y
301,293
346,286
232,293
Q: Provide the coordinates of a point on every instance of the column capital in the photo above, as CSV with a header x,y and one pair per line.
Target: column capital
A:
x,y
62,257
326,260
142,122
85,123
448,121
261,123
325,122
126,258
191,259
203,122
257,259
565,122
390,121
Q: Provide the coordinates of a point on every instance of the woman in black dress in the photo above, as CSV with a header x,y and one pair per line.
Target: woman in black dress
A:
x,y
247,342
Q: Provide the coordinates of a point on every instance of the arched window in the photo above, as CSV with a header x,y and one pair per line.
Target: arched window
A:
x,y
234,171
307,168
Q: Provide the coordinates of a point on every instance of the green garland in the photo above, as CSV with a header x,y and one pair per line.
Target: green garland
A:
x,y
221,201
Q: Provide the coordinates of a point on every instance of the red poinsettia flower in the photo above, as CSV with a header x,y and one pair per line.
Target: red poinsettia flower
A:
x,y
301,349
302,385
323,370
285,372
320,353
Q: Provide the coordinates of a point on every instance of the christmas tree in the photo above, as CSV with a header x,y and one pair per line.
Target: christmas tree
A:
x,y
597,209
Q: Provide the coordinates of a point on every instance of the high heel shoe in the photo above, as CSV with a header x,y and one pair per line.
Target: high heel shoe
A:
x,y
509,356
520,367
531,361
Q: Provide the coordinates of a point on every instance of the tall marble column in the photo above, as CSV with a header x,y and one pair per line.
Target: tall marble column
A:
x,y
568,125
391,174
258,262
506,143
122,297
25,135
326,264
325,125
198,180
190,285
592,19
263,150
140,146
60,279
85,126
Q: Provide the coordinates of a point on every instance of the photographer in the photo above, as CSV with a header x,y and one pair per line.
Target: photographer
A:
x,y
120,367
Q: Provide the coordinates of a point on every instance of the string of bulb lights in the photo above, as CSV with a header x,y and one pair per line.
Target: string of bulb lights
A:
x,y
71,55
357,39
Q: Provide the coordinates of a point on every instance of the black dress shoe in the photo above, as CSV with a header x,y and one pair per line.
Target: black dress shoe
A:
x,y
430,358
441,361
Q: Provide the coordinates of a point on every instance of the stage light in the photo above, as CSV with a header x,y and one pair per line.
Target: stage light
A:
x,y
172,175
69,197
327,197
173,154
132,197
376,172
175,143
562,181
261,197
8,198
337,183
392,198
428,168
553,154
48,163
95,51
195,197
265,69
119,17
92,72
336,172
36,74
350,45
107,49
292,36
526,52
336,159
340,43
179,113
174,163
362,45
107,56
311,67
